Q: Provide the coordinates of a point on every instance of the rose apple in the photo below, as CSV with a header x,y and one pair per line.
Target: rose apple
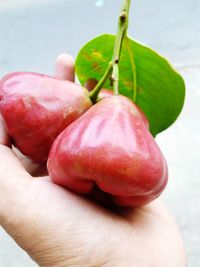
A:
x,y
37,107
111,147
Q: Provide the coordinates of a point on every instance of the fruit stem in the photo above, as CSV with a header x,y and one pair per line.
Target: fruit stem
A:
x,y
94,93
112,70
122,32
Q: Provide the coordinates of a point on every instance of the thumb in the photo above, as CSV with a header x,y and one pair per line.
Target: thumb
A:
x,y
14,181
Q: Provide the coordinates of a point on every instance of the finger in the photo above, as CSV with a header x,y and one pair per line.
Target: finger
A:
x,y
14,180
4,139
65,67
34,169
90,84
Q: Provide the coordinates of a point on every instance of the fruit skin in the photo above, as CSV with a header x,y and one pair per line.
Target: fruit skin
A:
x,y
37,107
110,146
104,93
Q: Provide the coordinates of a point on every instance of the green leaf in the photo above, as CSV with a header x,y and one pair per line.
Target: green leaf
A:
x,y
144,76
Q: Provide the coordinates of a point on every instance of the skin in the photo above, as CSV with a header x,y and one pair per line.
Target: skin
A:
x,y
58,228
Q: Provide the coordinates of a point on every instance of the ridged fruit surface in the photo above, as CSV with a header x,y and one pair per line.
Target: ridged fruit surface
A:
x,y
37,107
110,147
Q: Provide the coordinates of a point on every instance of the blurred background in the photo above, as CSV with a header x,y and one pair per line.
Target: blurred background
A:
x,y
33,33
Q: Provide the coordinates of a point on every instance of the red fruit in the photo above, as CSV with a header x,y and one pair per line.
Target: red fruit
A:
x,y
105,93
36,108
110,146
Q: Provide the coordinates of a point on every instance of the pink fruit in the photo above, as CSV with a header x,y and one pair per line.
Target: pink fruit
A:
x,y
36,108
105,93
110,147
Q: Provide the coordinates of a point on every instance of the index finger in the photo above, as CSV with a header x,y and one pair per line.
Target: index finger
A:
x,y
65,67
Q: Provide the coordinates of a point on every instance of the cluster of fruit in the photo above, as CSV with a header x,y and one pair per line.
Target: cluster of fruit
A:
x,y
107,144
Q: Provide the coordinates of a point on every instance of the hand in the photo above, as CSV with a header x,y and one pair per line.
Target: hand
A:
x,y
58,228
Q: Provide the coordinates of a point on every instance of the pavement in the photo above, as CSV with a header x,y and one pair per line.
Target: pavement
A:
x,y
33,33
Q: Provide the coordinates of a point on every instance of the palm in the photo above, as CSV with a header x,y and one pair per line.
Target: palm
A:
x,y
73,224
